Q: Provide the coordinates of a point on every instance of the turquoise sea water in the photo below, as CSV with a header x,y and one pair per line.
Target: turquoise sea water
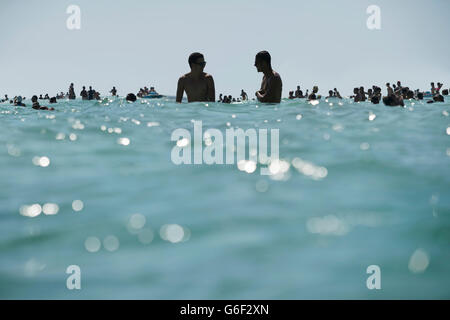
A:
x,y
382,200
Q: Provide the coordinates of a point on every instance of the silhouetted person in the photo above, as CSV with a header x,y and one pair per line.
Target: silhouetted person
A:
x,y
18,102
291,95
298,93
84,94
390,91
71,92
91,93
131,97
313,95
37,106
113,91
330,94
393,101
271,86
198,85
337,94
244,95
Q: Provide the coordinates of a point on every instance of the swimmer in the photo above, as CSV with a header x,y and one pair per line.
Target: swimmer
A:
x,y
71,92
37,106
244,95
131,97
375,99
84,94
376,96
433,89
437,98
271,86
330,94
291,95
362,94
356,96
298,93
313,95
18,102
220,98
113,92
198,85
410,94
53,100
337,94
439,86
393,101
91,93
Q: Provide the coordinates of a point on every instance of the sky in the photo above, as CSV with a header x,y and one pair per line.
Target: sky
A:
x,y
131,44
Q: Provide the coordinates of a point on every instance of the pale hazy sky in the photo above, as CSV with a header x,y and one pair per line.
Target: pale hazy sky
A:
x,y
131,43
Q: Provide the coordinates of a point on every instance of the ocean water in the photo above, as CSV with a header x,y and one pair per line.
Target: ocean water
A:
x,y
92,184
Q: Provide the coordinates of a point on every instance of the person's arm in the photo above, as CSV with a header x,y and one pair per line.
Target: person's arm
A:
x,y
271,90
180,89
211,89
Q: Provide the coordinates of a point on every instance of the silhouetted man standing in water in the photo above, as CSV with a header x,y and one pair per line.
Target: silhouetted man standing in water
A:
x,y
271,85
199,86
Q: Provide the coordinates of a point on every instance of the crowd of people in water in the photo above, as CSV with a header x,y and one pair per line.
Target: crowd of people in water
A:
x,y
396,94
199,86
229,99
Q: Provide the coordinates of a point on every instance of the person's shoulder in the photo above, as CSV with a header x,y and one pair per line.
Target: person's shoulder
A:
x,y
184,76
276,75
207,76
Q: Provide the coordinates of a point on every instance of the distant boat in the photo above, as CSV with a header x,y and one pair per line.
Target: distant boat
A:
x,y
153,95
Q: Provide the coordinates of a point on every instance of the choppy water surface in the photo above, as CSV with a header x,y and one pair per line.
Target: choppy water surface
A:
x,y
145,228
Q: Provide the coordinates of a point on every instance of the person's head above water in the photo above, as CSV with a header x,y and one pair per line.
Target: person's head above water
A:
x,y
131,97
197,61
263,61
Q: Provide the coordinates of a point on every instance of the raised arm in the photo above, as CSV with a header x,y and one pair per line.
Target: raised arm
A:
x,y
211,89
180,89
